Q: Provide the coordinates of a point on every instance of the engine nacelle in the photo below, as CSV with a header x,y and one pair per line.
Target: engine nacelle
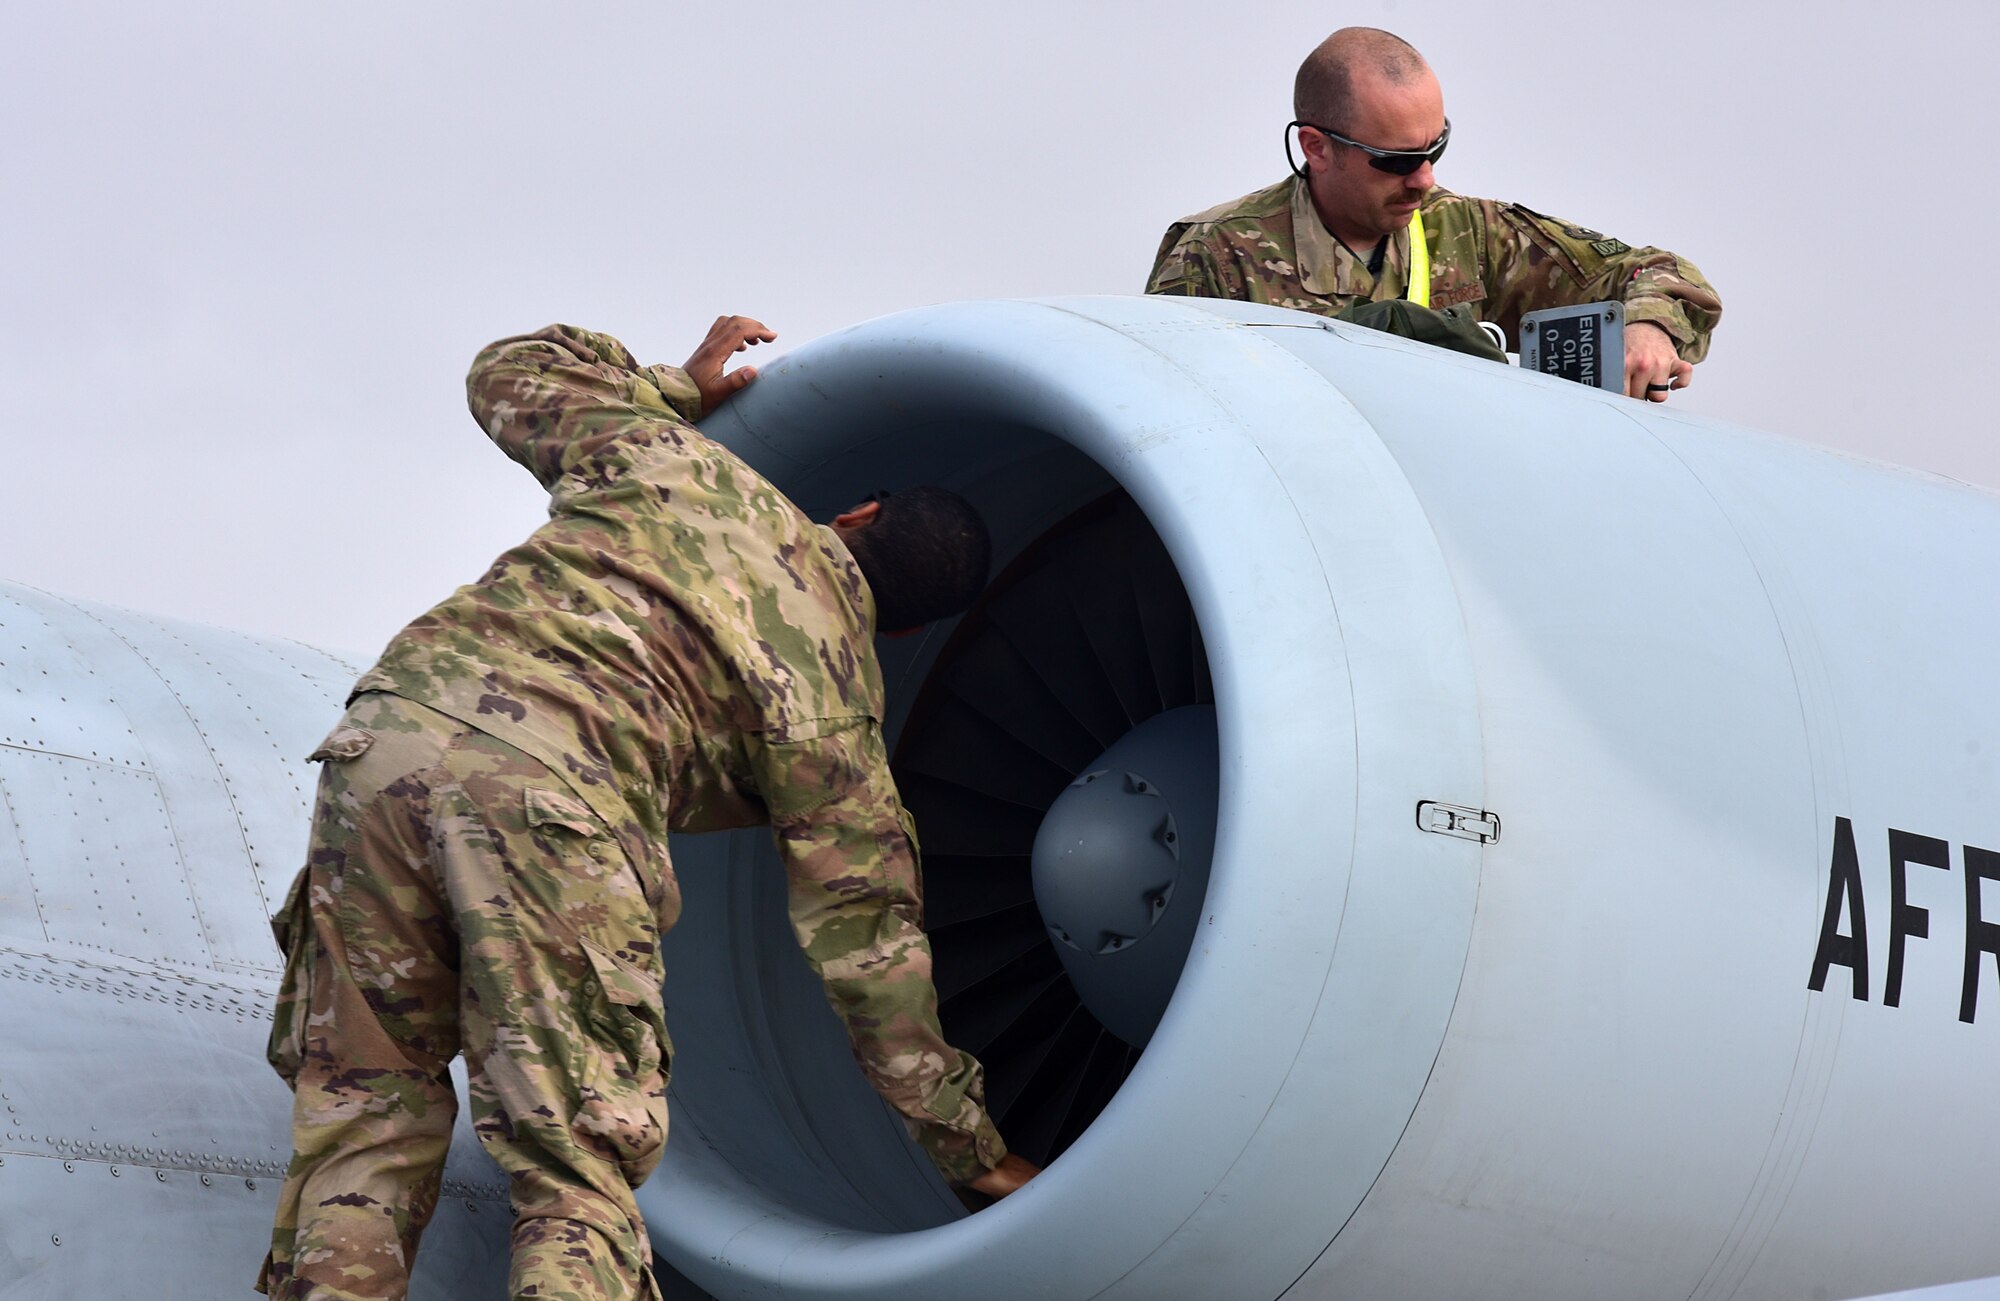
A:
x,y
1623,1049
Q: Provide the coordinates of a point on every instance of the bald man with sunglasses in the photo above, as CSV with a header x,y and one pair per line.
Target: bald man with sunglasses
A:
x,y
1339,231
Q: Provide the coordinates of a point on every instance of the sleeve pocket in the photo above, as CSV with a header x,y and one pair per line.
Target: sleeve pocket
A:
x,y
623,984
342,743
797,774
285,923
547,808
625,1073
636,1012
292,928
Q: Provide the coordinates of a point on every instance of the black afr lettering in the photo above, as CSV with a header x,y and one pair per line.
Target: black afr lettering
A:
x,y
1905,918
1981,936
1843,887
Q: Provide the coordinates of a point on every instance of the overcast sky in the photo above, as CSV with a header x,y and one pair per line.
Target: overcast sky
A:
x,y
250,249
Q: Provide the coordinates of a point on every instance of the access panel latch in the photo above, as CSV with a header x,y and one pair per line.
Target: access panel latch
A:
x,y
1585,344
1458,820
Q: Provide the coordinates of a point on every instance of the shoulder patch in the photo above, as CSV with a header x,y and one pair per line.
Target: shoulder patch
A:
x,y
1609,247
1584,233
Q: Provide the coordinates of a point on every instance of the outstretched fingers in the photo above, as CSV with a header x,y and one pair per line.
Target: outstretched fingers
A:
x,y
729,334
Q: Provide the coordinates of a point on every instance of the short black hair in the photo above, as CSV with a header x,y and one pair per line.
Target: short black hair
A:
x,y
925,556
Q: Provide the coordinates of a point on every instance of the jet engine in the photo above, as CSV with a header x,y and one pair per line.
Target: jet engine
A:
x,y
1550,773
1395,825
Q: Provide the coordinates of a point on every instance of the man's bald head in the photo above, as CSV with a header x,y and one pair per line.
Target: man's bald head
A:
x,y
1323,92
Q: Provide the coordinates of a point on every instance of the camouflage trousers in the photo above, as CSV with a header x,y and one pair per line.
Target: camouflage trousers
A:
x,y
457,897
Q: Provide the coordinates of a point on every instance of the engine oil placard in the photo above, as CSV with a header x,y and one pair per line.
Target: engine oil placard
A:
x,y
1584,343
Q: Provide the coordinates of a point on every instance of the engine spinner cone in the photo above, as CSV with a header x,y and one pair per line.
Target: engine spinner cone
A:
x,y
1121,866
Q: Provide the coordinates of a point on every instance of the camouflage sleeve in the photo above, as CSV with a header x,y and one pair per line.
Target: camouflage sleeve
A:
x,y
850,857
1534,261
1187,267
556,398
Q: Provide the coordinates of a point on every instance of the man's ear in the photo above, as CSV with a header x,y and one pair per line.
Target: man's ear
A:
x,y
1316,147
858,516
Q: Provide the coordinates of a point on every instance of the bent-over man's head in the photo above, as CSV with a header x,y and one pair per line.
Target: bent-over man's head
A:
x,y
1375,92
924,552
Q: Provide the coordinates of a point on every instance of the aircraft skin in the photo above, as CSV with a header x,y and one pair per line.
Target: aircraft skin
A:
x,y
157,799
1692,999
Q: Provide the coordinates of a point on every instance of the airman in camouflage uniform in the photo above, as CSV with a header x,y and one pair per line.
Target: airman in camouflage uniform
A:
x,y
1500,259
679,648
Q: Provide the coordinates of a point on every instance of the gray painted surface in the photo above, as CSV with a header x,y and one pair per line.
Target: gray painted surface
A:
x,y
156,799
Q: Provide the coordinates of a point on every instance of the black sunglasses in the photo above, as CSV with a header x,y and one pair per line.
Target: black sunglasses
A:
x,y
1396,162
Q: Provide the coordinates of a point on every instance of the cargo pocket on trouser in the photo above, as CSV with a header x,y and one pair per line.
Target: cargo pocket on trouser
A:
x,y
292,928
291,925
623,1111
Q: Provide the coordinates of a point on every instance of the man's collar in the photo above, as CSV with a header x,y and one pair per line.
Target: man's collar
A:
x,y
1326,266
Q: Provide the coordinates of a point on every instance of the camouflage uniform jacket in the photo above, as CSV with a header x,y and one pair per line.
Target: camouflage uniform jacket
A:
x,y
691,653
1500,258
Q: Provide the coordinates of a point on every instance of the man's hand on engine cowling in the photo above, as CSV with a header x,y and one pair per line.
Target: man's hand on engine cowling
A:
x,y
729,334
1007,1177
1652,368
